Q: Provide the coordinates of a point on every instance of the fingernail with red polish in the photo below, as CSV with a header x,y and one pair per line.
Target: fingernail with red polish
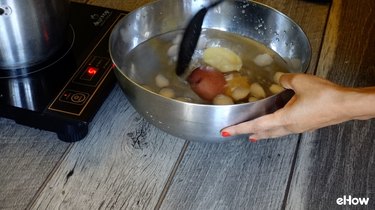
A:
x,y
252,140
225,134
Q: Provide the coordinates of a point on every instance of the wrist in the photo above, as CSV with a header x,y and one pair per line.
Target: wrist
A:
x,y
359,103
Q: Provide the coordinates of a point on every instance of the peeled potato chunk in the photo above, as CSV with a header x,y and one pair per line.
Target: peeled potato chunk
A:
x,y
222,99
235,80
240,93
173,51
167,92
257,91
161,81
252,99
274,88
223,59
263,60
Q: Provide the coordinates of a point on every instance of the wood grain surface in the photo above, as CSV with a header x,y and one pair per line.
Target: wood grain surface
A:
x,y
239,175
340,160
235,175
27,157
123,163
126,163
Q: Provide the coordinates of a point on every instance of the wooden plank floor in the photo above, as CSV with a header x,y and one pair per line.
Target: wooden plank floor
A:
x,y
126,163
27,157
123,163
340,160
235,175
241,175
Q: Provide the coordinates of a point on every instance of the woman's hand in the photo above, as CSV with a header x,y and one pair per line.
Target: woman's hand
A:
x,y
317,103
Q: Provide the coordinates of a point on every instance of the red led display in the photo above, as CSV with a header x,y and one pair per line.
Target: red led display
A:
x,y
92,70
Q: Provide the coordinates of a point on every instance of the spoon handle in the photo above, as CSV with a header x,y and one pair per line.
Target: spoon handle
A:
x,y
190,38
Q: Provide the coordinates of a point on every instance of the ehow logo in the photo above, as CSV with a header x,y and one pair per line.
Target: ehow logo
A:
x,y
349,200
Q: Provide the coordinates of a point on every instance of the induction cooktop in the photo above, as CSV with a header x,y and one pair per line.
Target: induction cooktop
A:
x,y
64,93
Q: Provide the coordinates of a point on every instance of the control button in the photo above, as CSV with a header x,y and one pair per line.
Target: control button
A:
x,y
78,98
74,97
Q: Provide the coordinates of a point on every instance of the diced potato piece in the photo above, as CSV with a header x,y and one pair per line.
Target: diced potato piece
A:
x,y
240,93
234,81
223,59
222,99
274,88
173,50
161,81
252,99
263,60
276,77
167,92
257,91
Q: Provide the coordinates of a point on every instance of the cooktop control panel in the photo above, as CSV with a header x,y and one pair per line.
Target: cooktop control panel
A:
x,y
84,84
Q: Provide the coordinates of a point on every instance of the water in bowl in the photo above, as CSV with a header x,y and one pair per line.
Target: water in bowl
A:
x,y
157,56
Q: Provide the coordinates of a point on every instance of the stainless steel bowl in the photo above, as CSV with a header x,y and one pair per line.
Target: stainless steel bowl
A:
x,y
198,122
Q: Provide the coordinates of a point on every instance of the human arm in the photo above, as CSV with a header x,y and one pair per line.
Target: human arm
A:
x,y
317,103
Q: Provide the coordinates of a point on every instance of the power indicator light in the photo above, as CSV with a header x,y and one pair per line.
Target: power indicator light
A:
x,y
89,73
92,70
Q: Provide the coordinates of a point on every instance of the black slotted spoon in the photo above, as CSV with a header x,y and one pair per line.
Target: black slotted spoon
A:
x,y
190,38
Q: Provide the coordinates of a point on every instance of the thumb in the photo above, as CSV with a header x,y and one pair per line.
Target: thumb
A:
x,y
286,80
